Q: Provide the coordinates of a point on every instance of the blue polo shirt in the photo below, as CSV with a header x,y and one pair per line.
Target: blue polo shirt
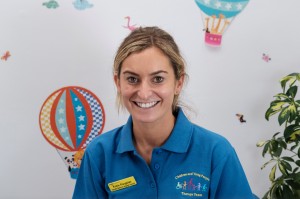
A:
x,y
193,163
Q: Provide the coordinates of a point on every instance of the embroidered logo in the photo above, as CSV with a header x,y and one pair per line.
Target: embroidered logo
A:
x,y
122,184
192,184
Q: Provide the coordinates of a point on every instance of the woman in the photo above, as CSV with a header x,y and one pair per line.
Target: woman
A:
x,y
158,153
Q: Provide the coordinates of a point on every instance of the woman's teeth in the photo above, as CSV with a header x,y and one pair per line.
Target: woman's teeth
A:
x,y
146,105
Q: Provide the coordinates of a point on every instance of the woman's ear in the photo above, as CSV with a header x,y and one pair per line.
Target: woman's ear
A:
x,y
179,85
117,81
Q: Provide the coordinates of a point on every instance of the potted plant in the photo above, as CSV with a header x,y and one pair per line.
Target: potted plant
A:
x,y
283,148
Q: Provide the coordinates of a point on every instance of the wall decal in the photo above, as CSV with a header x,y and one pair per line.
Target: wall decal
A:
x,y
266,57
82,4
240,117
5,56
217,15
70,119
128,26
51,4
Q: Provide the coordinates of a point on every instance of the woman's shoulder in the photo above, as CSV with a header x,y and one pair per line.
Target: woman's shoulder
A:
x,y
210,138
105,140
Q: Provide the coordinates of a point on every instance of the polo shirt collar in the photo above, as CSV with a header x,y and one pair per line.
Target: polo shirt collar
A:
x,y
178,141
181,135
126,142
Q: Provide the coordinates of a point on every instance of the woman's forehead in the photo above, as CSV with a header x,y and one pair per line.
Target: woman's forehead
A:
x,y
149,59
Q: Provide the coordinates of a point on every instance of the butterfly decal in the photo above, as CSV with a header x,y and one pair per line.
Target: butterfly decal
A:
x,y
266,57
5,56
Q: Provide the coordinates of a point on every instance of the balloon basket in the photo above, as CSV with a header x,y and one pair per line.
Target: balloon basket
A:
x,y
213,39
74,173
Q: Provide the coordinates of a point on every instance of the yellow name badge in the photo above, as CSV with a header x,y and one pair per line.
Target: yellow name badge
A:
x,y
122,184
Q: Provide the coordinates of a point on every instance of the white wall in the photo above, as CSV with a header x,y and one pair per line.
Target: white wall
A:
x,y
61,47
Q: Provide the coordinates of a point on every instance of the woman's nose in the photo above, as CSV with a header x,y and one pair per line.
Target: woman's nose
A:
x,y
144,90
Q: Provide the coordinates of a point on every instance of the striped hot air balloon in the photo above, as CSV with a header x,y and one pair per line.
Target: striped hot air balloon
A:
x,y
217,15
70,119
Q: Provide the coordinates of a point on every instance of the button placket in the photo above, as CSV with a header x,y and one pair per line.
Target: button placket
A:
x,y
152,185
157,160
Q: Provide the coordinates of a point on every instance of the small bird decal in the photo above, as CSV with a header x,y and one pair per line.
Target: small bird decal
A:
x,y
240,117
128,26
51,4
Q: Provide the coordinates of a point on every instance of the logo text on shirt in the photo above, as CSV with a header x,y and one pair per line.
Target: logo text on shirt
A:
x,y
192,184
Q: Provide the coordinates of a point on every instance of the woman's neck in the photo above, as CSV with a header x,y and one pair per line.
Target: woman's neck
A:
x,y
148,136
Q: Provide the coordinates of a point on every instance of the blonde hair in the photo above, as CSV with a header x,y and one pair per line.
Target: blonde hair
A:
x,y
146,37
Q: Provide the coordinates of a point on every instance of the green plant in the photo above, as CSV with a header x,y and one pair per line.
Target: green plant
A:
x,y
283,148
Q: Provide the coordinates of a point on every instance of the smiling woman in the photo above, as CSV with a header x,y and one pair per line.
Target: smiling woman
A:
x,y
158,153
147,86
151,37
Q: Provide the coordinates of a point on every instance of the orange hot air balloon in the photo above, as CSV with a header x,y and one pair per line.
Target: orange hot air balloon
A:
x,y
70,119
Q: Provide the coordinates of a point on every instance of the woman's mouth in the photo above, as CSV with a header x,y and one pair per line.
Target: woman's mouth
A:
x,y
146,104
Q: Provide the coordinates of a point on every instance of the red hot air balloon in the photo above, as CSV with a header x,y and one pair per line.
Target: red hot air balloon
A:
x,y
70,119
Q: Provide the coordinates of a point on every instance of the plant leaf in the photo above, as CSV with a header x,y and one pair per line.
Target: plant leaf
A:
x,y
287,192
294,184
288,159
265,164
266,148
282,168
273,191
293,147
278,152
284,115
296,177
274,136
292,91
295,169
295,134
281,95
286,165
293,112
297,102
283,144
289,78
270,112
272,173
291,132
260,143
266,196
278,192
298,163
284,80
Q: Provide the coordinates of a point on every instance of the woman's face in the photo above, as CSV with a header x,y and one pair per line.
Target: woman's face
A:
x,y
147,86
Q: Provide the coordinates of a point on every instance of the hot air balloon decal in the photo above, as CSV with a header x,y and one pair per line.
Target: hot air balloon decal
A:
x,y
217,15
70,119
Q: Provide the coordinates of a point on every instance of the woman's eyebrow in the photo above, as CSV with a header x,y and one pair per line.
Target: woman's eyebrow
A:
x,y
157,72
126,72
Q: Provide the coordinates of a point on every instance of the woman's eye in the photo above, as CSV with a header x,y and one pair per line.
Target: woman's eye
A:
x,y
132,80
158,79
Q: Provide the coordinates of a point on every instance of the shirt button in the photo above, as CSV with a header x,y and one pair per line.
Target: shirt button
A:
x,y
152,185
156,166
159,151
